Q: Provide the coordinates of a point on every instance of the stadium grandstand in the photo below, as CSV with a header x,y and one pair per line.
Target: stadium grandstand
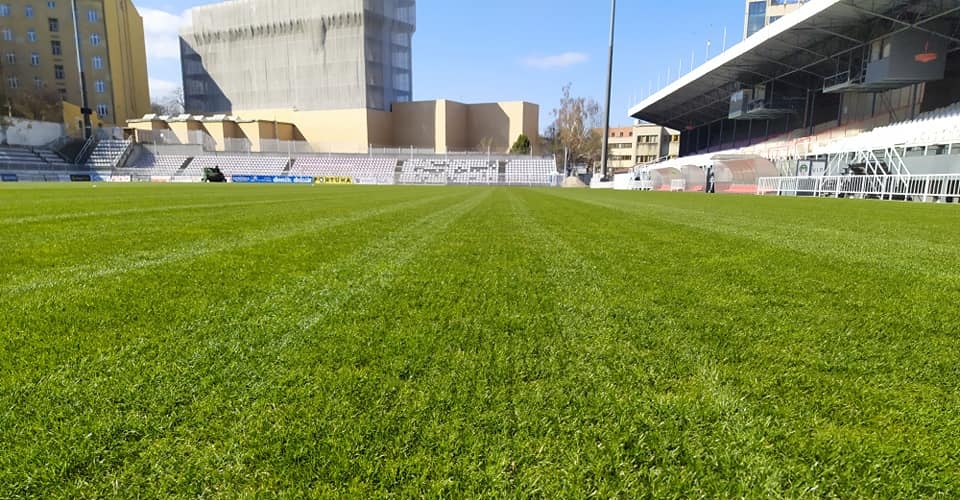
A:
x,y
847,98
147,164
116,160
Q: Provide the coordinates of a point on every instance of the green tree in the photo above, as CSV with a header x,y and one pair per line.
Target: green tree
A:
x,y
522,146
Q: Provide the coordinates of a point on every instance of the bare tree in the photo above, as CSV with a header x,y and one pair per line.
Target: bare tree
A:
x,y
36,104
486,145
170,104
575,128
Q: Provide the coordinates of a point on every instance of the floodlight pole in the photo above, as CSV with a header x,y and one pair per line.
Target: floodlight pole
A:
x,y
606,122
84,102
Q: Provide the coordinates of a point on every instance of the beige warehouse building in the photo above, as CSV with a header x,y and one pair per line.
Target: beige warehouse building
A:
x,y
441,126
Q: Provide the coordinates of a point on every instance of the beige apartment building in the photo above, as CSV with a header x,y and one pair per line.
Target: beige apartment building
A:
x,y
760,13
641,143
38,53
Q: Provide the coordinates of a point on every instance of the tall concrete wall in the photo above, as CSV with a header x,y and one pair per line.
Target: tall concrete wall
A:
x,y
302,54
531,125
415,124
380,128
491,122
20,132
456,135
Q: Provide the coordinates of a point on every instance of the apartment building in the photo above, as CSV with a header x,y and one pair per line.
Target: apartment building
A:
x,y
39,53
760,13
641,143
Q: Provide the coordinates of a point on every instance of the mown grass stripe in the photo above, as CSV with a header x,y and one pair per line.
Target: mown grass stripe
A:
x,y
492,343
122,264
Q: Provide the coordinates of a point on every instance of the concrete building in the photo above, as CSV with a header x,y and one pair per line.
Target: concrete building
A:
x,y
38,53
440,127
307,55
760,13
641,143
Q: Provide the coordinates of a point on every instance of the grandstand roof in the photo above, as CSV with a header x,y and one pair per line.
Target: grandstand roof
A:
x,y
799,50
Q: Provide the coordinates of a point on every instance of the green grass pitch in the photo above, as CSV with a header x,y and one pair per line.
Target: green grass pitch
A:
x,y
163,341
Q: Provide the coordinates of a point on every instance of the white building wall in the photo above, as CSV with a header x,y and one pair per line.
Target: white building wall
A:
x,y
21,132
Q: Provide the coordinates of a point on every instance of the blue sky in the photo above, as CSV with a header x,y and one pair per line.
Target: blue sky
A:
x,y
502,50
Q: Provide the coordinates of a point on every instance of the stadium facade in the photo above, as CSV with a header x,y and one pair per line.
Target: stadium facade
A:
x,y
38,43
834,88
307,55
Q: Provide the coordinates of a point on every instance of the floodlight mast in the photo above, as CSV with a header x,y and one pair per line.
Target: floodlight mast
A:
x,y
84,102
604,156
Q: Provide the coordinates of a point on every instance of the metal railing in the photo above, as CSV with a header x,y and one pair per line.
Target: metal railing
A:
x,y
87,149
916,187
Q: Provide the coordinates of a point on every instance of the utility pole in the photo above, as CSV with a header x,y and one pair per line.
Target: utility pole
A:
x,y
606,122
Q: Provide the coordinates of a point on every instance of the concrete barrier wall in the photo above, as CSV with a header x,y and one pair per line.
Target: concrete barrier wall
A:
x,y
21,132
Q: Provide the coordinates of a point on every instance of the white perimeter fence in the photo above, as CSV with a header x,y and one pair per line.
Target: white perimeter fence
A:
x,y
918,187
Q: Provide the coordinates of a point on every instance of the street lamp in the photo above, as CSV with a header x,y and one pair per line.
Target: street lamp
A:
x,y
606,122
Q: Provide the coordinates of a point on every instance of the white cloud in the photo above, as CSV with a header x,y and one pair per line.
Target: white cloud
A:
x,y
564,60
161,31
160,89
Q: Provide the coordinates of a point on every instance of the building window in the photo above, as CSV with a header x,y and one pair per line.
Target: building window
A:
x,y
13,82
63,93
774,19
55,48
92,16
11,58
95,39
102,110
58,71
28,11
52,4
756,17
4,9
195,86
31,35
99,86
7,34
54,24
34,59
97,62
37,82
